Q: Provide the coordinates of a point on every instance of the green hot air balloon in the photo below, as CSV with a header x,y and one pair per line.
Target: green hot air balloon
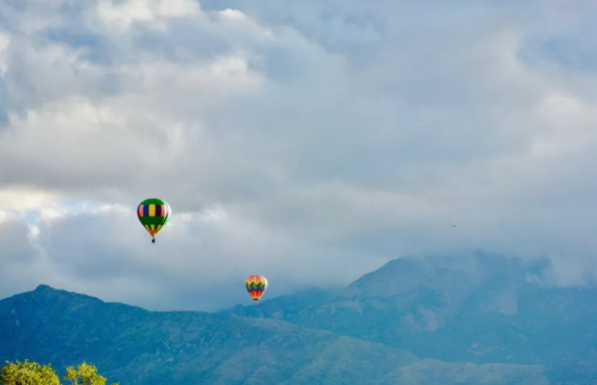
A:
x,y
153,214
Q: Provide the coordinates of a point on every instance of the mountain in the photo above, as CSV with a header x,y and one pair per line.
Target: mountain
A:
x,y
138,347
479,309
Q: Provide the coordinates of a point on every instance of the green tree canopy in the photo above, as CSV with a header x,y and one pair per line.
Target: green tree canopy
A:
x,y
85,374
28,373
32,373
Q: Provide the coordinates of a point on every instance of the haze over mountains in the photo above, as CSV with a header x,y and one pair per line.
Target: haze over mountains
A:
x,y
473,320
477,309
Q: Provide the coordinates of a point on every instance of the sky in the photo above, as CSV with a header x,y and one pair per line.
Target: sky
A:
x,y
308,141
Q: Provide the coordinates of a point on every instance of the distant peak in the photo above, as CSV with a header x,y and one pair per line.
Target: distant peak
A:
x,y
44,287
46,290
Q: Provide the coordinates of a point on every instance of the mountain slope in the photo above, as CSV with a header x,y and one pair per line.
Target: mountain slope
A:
x,y
478,309
135,346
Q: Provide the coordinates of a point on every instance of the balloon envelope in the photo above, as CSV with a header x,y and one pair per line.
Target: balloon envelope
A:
x,y
256,286
153,214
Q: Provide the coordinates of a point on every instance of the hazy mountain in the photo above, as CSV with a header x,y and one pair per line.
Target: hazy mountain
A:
x,y
478,309
135,346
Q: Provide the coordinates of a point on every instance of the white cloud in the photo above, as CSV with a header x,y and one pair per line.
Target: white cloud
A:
x,y
21,199
123,14
233,14
4,44
308,144
4,216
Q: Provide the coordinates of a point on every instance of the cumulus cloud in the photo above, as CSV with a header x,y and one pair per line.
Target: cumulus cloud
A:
x,y
307,141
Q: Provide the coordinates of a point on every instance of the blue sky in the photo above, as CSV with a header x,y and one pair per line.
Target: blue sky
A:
x,y
304,140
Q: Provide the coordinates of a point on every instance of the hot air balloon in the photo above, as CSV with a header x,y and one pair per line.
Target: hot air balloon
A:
x,y
153,214
256,286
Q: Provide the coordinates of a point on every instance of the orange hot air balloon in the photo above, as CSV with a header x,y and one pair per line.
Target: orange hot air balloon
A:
x,y
256,286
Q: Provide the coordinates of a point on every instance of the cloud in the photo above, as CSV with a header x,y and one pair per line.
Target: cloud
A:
x,y
310,142
124,14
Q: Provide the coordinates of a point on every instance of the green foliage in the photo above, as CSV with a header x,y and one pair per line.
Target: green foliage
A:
x,y
85,374
32,373
28,373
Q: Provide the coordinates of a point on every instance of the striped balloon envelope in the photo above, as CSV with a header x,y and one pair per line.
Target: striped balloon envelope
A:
x,y
256,286
153,214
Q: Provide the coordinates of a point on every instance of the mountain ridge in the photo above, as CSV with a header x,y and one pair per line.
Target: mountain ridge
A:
x,y
139,347
480,308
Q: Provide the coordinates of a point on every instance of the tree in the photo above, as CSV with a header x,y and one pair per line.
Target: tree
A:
x,y
85,374
28,373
